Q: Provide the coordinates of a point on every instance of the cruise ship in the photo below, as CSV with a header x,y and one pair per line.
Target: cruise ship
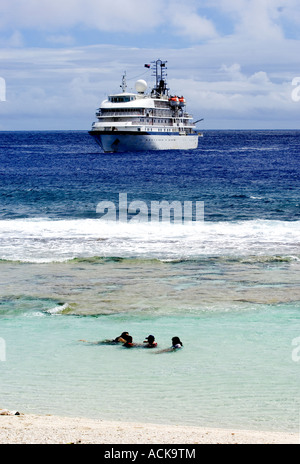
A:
x,y
144,121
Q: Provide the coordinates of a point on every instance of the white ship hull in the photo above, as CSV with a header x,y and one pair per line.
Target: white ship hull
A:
x,y
130,122
117,143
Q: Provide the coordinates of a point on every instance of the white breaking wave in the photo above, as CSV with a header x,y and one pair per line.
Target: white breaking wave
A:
x,y
58,309
44,240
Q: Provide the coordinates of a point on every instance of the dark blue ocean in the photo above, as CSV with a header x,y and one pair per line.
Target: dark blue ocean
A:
x,y
240,175
228,285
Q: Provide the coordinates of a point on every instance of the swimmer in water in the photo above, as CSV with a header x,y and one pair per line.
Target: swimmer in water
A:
x,y
151,343
128,342
176,345
120,339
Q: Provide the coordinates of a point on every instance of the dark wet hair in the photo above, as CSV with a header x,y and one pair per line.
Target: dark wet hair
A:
x,y
123,336
176,341
150,338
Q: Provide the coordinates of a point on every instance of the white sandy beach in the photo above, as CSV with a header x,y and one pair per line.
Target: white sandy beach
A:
x,y
48,429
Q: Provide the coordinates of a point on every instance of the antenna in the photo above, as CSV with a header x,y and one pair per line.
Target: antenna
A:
x,y
124,83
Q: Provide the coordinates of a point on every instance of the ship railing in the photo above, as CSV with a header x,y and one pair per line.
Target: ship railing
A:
x,y
119,114
144,113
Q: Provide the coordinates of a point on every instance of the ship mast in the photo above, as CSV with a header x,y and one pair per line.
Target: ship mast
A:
x,y
124,83
159,69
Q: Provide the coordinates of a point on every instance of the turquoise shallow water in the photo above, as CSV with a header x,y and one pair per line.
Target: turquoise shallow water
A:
x,y
236,367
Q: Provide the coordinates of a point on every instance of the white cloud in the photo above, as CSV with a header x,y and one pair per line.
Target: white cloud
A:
x,y
260,78
260,19
233,71
256,99
113,15
186,21
252,19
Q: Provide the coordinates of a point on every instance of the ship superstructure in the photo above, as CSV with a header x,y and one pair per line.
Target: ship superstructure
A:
x,y
140,121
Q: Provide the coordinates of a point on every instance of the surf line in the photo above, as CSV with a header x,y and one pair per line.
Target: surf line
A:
x,y
176,211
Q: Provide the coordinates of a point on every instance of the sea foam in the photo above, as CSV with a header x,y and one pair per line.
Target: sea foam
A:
x,y
44,240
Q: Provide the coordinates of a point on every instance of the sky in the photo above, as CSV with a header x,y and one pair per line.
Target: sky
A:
x,y
237,62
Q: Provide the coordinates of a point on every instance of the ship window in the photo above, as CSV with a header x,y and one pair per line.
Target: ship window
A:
x,y
121,99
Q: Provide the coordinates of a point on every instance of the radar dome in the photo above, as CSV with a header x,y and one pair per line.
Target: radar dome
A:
x,y
141,86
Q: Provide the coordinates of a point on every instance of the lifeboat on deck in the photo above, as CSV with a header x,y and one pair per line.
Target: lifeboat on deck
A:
x,y
174,101
181,101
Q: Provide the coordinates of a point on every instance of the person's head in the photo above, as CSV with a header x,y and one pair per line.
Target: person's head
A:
x,y
176,341
150,339
128,339
124,335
